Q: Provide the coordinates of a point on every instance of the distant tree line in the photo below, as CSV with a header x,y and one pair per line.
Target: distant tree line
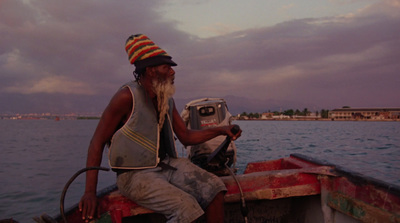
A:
x,y
251,115
290,112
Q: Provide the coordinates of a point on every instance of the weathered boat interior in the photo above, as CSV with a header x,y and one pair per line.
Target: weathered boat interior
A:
x,y
292,189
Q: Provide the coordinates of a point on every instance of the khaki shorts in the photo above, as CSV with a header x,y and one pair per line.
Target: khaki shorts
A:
x,y
181,194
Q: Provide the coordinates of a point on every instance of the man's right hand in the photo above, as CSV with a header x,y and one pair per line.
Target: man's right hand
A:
x,y
88,206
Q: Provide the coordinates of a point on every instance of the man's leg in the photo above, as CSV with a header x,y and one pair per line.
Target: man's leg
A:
x,y
150,188
215,211
207,188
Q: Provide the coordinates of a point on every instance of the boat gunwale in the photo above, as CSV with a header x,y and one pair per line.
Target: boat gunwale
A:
x,y
333,170
355,177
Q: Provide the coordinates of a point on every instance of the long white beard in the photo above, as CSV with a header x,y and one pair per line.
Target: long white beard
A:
x,y
164,89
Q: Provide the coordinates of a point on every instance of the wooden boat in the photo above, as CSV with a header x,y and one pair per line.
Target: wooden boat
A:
x,y
291,189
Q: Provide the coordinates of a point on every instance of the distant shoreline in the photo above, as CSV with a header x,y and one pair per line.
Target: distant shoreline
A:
x,y
56,118
60,118
325,119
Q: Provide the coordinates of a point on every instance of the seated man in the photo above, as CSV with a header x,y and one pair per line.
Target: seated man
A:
x,y
139,125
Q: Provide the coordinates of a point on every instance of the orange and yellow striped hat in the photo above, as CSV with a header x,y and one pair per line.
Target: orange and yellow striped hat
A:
x,y
142,52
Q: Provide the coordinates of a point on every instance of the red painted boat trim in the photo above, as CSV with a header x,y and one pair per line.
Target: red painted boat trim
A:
x,y
360,197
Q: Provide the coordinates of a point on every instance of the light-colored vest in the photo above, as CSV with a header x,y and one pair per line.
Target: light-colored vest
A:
x,y
136,144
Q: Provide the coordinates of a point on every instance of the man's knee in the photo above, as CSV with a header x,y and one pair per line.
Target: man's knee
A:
x,y
186,209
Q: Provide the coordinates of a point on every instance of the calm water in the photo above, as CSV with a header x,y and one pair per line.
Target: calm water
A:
x,y
39,156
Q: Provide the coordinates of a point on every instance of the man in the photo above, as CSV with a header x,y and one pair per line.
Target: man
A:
x,y
139,125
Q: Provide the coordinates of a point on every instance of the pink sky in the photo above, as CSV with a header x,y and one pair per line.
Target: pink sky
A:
x,y
63,55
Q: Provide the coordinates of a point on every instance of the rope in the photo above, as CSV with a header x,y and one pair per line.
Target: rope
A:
x,y
69,183
243,207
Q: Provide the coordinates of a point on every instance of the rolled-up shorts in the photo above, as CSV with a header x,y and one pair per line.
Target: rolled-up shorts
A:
x,y
181,194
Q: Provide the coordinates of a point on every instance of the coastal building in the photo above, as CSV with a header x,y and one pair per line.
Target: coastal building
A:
x,y
281,116
365,114
267,115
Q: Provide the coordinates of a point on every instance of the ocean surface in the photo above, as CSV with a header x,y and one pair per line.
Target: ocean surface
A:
x,y
39,156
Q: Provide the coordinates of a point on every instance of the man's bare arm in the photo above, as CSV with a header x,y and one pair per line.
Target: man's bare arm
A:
x,y
115,114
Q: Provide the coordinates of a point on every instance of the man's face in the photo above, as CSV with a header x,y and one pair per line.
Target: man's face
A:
x,y
163,87
164,72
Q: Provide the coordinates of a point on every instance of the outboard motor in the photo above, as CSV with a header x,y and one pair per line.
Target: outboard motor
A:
x,y
205,113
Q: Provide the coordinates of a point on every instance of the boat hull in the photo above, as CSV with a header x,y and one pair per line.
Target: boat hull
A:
x,y
292,189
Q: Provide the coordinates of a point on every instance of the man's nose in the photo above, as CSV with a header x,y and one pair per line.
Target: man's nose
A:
x,y
171,72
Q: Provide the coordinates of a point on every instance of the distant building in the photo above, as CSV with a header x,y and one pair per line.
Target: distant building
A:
x,y
365,114
281,116
267,115
310,116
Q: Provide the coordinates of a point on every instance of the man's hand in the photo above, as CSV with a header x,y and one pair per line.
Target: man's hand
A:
x,y
232,135
88,206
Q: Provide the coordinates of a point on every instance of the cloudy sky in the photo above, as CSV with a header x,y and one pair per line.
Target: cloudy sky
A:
x,y
68,56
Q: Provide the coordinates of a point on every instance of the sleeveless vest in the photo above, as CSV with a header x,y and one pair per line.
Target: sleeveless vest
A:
x,y
136,144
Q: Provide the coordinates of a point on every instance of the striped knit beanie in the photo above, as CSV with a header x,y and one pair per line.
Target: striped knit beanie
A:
x,y
142,52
